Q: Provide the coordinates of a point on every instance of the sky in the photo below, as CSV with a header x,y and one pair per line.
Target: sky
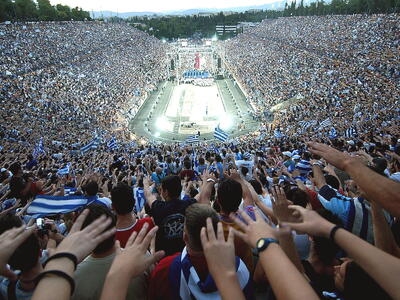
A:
x,y
156,5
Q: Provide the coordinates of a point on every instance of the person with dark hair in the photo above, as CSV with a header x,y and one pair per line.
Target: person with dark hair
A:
x,y
25,259
353,283
185,275
91,273
91,189
168,215
322,259
123,203
187,172
229,197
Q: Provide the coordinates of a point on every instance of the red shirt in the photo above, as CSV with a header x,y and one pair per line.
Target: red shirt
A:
x,y
159,287
122,235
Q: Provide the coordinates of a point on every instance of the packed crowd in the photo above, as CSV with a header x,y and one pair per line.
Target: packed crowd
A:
x,y
66,80
289,216
345,68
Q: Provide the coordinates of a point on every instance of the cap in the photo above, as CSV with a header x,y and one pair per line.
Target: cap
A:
x,y
3,170
246,155
287,153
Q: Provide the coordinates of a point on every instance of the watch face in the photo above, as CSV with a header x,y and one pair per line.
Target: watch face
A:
x,y
260,243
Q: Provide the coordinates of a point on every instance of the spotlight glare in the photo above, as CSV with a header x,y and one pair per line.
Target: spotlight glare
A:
x,y
225,122
157,134
162,123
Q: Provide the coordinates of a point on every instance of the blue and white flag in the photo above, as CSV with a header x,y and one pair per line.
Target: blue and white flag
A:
x,y
278,134
192,139
220,135
112,144
64,171
350,132
93,144
332,133
189,285
44,205
325,123
39,149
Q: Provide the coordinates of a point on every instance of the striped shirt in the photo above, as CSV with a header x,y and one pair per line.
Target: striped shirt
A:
x,y
355,213
304,167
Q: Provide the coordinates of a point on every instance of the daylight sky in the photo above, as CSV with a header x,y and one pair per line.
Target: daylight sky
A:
x,y
156,5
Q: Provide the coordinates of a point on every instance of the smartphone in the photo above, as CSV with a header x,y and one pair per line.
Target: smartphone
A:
x,y
39,222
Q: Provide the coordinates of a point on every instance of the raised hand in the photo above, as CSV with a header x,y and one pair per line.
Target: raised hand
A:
x,y
82,242
253,230
280,205
10,240
220,254
310,222
331,155
135,259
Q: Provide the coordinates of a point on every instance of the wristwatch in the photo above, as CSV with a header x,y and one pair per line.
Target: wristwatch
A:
x,y
263,243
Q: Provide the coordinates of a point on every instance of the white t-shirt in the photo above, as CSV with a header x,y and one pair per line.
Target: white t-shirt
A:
x,y
249,164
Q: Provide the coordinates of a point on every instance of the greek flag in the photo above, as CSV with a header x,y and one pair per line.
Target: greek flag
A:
x,y
39,149
192,139
112,144
189,285
44,205
278,134
220,135
304,125
91,145
350,132
325,123
64,171
332,133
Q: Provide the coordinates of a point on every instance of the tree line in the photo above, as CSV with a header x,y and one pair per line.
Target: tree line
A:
x,y
40,10
171,27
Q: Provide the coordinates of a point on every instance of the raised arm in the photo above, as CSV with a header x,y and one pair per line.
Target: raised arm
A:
x,y
383,236
383,190
286,281
382,267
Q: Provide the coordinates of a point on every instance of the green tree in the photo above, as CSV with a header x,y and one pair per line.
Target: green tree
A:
x,y
46,11
6,10
63,12
25,10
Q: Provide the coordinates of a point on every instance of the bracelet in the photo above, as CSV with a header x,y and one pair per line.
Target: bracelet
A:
x,y
333,232
57,273
70,256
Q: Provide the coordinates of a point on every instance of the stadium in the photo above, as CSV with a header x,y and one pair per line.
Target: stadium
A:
x,y
154,151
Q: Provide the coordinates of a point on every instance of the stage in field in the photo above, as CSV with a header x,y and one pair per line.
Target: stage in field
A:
x,y
193,108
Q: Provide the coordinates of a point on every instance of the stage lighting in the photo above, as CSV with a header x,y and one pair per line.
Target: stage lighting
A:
x,y
162,123
225,122
157,134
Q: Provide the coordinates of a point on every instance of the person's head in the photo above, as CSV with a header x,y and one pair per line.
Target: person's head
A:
x,y
158,171
297,196
187,164
201,161
171,187
229,195
325,249
95,212
379,165
26,256
122,199
196,218
16,169
332,181
257,186
91,188
354,283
